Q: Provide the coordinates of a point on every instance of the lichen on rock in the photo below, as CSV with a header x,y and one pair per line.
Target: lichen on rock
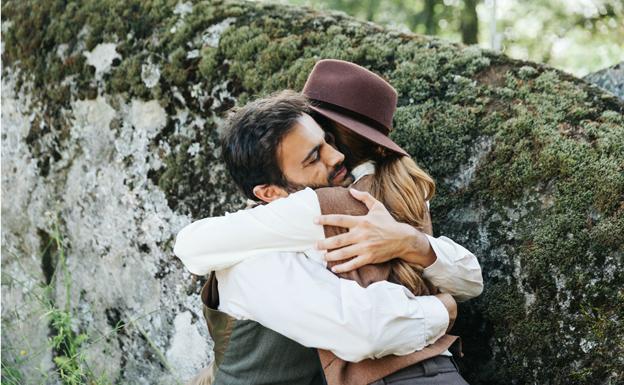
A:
x,y
611,79
528,163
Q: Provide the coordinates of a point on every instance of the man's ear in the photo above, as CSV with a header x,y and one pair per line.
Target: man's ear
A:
x,y
269,192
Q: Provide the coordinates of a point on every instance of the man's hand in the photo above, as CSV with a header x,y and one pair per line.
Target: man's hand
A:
x,y
373,238
451,306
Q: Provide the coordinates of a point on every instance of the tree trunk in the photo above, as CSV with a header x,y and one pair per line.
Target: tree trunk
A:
x,y
431,23
470,23
371,9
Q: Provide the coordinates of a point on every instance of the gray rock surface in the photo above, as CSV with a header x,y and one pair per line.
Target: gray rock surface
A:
x,y
611,79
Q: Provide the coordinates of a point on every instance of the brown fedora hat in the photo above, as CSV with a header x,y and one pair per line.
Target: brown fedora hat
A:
x,y
354,97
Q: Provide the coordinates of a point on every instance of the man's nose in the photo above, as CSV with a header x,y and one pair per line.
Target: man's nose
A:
x,y
335,157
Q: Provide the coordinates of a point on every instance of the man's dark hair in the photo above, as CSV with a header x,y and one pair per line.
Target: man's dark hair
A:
x,y
252,136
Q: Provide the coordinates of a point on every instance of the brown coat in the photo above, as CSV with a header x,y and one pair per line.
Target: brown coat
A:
x,y
338,200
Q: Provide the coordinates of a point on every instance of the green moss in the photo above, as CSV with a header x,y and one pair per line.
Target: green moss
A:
x,y
208,63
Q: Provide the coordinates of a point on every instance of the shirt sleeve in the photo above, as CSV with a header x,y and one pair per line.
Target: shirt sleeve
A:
x,y
300,299
285,224
456,270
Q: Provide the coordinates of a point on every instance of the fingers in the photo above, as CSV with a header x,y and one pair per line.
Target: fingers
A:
x,y
353,264
339,220
364,197
336,241
344,253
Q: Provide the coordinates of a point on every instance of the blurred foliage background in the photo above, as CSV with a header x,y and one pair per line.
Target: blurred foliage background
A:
x,y
577,36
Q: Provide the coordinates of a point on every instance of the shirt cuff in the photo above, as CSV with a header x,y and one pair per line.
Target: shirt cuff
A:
x,y
442,265
436,318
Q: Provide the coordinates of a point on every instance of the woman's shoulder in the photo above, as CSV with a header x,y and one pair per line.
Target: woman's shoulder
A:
x,y
338,200
332,193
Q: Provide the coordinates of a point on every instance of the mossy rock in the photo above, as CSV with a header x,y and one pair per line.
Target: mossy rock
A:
x,y
529,161
611,79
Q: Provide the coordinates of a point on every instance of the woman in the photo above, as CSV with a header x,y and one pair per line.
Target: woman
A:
x,y
397,182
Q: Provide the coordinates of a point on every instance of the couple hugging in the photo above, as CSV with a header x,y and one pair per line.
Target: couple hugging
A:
x,y
335,277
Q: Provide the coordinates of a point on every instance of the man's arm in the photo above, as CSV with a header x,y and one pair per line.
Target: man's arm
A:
x,y
287,224
377,237
456,270
216,243
300,299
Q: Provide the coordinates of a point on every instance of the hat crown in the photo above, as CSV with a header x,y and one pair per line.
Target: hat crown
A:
x,y
354,88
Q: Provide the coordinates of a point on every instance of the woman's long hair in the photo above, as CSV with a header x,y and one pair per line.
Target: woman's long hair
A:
x,y
400,185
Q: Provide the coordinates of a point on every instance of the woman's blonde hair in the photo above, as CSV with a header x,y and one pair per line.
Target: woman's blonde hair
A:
x,y
400,185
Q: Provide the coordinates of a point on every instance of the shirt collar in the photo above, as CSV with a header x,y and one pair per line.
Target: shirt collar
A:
x,y
366,168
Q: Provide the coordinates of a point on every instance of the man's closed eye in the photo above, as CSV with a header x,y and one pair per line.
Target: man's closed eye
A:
x,y
315,158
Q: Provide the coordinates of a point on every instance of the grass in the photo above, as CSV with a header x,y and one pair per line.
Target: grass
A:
x,y
69,347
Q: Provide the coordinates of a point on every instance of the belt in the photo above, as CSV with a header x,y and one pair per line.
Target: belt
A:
x,y
428,368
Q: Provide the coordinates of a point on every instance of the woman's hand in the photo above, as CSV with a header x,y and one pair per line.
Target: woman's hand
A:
x,y
373,238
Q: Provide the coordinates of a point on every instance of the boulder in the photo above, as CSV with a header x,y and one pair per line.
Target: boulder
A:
x,y
611,79
111,113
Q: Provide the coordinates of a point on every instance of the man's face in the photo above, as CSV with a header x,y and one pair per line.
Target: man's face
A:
x,y
307,156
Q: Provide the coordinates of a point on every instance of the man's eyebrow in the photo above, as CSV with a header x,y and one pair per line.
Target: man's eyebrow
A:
x,y
315,149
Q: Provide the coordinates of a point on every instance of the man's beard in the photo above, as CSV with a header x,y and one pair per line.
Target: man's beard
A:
x,y
294,187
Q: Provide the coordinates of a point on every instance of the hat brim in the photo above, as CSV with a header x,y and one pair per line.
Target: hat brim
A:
x,y
361,129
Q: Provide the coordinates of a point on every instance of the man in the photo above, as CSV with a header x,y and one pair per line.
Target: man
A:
x,y
251,283
280,149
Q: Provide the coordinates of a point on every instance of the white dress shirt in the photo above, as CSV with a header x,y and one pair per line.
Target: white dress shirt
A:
x,y
286,224
294,294
268,271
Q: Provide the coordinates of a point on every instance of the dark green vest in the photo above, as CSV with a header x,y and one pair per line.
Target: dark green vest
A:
x,y
247,353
